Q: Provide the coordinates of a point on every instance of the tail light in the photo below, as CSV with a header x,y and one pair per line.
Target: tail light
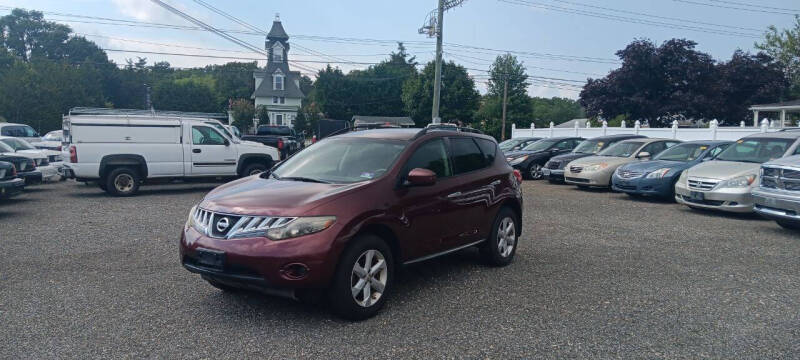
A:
x,y
73,154
314,139
518,175
280,144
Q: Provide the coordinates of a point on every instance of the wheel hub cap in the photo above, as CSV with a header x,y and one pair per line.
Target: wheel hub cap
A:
x,y
506,237
368,278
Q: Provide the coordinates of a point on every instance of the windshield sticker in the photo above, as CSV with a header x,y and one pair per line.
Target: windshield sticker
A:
x,y
703,147
739,141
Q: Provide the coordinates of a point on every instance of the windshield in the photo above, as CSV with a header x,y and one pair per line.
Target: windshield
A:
x,y
221,128
589,147
53,136
18,131
623,149
510,143
18,144
683,152
540,145
342,161
756,150
5,148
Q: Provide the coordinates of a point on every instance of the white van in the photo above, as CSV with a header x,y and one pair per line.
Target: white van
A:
x,y
121,149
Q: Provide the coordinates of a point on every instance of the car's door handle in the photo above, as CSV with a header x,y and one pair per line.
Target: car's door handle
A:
x,y
197,151
454,195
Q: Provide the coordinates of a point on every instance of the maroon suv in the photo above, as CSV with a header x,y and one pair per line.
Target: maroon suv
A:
x,y
343,214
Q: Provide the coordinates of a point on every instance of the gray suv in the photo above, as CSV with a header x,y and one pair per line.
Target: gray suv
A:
x,y
778,195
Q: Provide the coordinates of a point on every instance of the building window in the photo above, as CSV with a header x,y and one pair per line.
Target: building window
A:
x,y
278,119
277,53
278,100
277,82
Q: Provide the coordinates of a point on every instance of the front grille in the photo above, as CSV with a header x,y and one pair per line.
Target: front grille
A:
x,y
629,174
227,226
576,169
555,165
702,183
780,178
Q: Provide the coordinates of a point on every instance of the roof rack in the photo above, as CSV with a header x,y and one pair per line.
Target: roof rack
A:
x,y
363,127
447,127
142,112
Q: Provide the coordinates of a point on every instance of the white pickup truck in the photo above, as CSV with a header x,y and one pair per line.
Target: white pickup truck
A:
x,y
122,149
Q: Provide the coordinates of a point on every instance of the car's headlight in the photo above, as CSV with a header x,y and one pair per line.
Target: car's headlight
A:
x,y
684,178
595,167
738,182
191,221
658,174
518,160
301,226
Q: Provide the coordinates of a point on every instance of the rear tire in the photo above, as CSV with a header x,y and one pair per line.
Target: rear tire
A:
x,y
363,278
122,181
788,224
501,246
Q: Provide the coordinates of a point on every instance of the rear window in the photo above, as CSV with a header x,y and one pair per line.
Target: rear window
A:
x,y
274,130
489,149
18,131
466,155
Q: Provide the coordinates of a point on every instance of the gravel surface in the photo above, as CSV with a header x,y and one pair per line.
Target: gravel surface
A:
x,y
597,275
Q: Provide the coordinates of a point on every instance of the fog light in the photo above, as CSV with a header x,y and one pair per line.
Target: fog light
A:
x,y
294,271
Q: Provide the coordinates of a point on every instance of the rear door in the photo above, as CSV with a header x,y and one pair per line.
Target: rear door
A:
x,y
211,152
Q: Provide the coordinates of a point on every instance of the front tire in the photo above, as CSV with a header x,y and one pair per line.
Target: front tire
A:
x,y
501,246
535,172
363,279
253,169
122,181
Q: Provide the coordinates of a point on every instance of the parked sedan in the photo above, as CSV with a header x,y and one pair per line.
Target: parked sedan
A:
x,y
596,170
531,159
10,184
49,162
51,141
778,196
726,182
554,169
658,177
517,143
25,168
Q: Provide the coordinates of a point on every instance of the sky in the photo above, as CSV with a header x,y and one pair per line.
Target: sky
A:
x,y
561,42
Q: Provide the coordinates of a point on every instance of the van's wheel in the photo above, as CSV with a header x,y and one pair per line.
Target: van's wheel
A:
x,y
122,181
791,225
363,278
253,169
501,246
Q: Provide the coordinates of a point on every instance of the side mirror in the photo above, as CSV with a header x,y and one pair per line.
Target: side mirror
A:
x,y
420,177
643,155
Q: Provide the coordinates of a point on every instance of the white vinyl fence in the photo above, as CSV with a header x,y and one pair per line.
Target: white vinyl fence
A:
x,y
713,132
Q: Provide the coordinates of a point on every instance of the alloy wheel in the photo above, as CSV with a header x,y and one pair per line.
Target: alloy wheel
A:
x,y
536,171
506,237
369,277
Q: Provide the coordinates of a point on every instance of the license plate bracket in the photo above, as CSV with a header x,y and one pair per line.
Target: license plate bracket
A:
x,y
210,258
697,196
546,172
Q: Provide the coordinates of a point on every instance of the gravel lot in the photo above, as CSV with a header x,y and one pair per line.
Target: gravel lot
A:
x,y
597,275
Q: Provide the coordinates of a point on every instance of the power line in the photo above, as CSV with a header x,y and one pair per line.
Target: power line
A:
x,y
489,62
759,9
627,19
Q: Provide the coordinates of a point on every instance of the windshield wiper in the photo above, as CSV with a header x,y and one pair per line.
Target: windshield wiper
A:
x,y
304,179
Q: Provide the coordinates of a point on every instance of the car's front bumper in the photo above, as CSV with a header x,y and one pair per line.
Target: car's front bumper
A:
x,y
262,263
726,199
9,188
50,172
642,186
601,178
553,174
775,205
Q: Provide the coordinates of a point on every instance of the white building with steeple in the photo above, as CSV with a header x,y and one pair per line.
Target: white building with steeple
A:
x,y
277,87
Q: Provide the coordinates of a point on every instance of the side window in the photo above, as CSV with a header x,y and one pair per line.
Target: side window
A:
x,y
431,155
489,150
655,148
466,155
203,135
564,145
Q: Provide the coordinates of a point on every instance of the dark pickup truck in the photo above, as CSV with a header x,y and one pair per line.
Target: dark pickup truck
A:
x,y
282,138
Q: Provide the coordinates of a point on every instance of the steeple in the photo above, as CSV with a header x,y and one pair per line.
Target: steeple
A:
x,y
277,32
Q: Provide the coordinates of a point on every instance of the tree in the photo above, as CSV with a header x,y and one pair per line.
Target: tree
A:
x,y
506,69
557,110
745,80
27,35
459,98
262,114
185,95
784,47
655,83
243,112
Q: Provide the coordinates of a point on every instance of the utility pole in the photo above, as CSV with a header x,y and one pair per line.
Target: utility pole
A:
x,y
505,101
433,27
147,102
437,82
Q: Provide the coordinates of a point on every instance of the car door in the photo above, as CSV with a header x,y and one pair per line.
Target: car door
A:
x,y
212,153
425,211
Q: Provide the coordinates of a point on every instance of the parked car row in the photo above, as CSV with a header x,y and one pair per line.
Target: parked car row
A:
x,y
756,173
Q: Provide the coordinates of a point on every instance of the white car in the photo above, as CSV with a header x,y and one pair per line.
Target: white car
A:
x,y
122,149
22,131
51,141
47,161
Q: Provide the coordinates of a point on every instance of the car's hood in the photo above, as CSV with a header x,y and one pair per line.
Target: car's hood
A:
x,y
250,143
569,157
254,195
48,144
723,170
37,155
648,166
610,160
